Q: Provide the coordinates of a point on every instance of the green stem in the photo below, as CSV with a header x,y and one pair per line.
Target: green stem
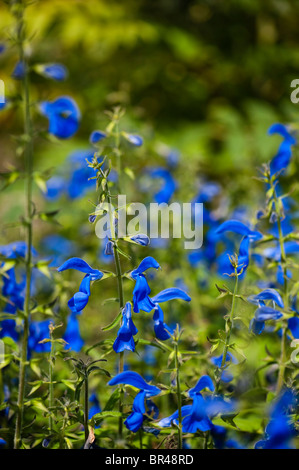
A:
x,y
179,396
51,386
283,261
229,328
28,152
86,410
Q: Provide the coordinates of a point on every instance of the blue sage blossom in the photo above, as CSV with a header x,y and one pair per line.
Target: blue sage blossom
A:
x,y
72,335
97,136
80,299
141,299
280,431
57,72
135,419
19,71
126,332
264,312
63,115
134,139
282,159
226,375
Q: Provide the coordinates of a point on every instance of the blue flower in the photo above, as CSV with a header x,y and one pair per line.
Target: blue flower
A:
x,y
280,431
96,136
56,72
267,294
72,334
126,332
236,226
162,330
19,71
95,408
168,187
79,301
140,239
225,267
226,376
55,187
141,299
173,419
63,115
39,330
198,418
284,154
135,420
133,139
264,313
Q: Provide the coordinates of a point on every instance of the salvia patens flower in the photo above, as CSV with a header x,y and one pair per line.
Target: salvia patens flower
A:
x,y
284,154
141,299
39,330
95,405
226,376
135,420
173,419
19,71
56,72
168,185
140,239
79,301
198,418
265,313
96,136
267,294
72,334
134,139
162,330
236,226
126,332
280,430
63,115
225,266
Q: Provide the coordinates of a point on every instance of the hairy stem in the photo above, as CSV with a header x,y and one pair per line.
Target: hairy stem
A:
x,y
283,260
28,153
229,328
179,396
86,410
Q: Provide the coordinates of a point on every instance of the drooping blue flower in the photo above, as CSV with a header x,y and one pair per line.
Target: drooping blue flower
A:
x,y
134,139
63,115
225,267
173,419
126,332
238,227
56,72
267,294
95,405
280,431
197,420
162,330
141,299
293,324
284,154
135,420
39,330
56,186
96,136
135,380
141,239
80,299
168,187
72,334
226,376
264,313
19,71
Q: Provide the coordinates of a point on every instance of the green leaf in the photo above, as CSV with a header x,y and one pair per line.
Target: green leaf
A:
x,y
114,323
